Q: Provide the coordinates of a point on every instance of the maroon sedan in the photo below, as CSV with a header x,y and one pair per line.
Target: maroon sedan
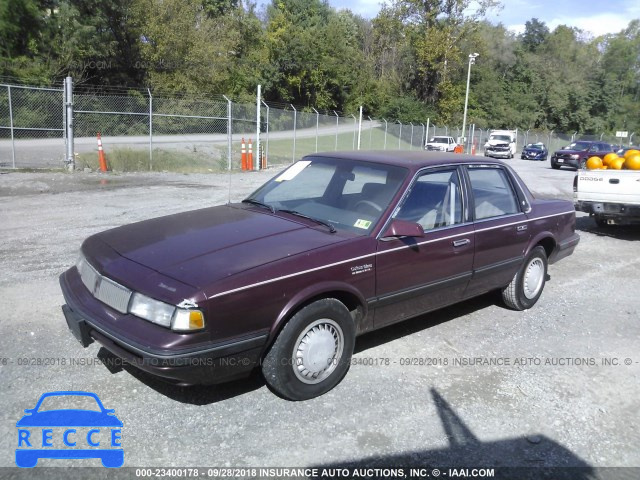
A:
x,y
337,245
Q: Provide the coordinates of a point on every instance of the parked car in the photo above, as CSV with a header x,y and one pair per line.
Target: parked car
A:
x,y
441,143
79,441
576,154
337,245
622,150
501,144
535,151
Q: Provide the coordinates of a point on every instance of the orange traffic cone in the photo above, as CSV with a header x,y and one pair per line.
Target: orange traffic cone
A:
x,y
250,156
244,155
101,159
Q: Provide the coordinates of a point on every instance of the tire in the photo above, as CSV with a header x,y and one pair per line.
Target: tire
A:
x,y
601,222
555,166
582,165
526,287
295,372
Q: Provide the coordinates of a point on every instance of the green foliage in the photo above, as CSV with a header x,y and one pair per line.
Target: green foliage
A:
x,y
409,63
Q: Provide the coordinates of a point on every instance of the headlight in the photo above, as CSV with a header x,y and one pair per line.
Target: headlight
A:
x,y
176,318
152,310
575,157
184,317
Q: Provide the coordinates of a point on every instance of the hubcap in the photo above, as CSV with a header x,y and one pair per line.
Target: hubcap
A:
x,y
533,278
317,351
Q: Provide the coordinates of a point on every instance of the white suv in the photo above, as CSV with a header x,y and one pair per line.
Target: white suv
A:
x,y
441,143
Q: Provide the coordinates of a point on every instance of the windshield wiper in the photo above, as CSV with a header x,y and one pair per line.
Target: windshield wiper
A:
x,y
259,203
331,228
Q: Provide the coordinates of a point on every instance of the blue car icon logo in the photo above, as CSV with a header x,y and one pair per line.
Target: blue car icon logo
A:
x,y
88,431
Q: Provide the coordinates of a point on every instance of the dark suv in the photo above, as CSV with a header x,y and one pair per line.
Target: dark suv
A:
x,y
576,154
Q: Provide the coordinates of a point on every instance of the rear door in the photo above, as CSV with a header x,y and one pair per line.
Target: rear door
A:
x,y
501,228
416,275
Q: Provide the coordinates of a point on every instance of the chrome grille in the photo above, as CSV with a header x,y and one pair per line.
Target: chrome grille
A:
x,y
113,294
103,288
88,275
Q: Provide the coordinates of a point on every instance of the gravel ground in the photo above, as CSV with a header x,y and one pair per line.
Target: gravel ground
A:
x,y
557,385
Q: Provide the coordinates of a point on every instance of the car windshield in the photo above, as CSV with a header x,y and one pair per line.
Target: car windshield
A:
x,y
68,402
504,138
344,194
578,146
439,140
535,147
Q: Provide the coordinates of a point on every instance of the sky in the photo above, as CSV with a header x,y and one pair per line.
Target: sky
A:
x,y
595,16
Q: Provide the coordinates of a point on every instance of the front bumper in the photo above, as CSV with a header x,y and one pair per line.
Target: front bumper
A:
x,y
497,153
566,162
213,363
525,156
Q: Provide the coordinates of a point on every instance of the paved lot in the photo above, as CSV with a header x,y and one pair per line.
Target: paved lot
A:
x,y
557,385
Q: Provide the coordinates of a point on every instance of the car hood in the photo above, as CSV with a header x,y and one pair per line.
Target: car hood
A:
x,y
569,151
495,143
201,247
69,418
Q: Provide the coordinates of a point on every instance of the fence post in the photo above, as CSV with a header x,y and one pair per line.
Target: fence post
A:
x,y
355,124
400,135
150,130
370,130
385,133
257,165
68,90
317,123
422,137
426,137
266,154
295,120
359,127
13,147
337,124
229,134
411,141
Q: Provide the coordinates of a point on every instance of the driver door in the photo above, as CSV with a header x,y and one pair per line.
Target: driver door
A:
x,y
415,275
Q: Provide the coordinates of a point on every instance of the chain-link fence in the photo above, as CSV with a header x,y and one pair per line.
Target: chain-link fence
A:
x,y
145,131
31,126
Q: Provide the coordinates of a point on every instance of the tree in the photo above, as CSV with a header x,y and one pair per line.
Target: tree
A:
x,y
535,33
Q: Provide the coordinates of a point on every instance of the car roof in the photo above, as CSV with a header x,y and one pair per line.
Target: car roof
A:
x,y
412,160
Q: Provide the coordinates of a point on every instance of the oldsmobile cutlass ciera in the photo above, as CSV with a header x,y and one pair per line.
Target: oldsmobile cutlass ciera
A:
x,y
336,245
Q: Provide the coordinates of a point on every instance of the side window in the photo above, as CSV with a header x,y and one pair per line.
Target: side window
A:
x,y
434,201
492,193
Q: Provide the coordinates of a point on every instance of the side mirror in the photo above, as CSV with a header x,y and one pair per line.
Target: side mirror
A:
x,y
403,228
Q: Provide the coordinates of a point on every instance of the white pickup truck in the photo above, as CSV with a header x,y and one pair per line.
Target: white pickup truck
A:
x,y
441,143
612,197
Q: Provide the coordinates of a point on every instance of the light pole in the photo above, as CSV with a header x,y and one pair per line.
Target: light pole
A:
x,y
472,60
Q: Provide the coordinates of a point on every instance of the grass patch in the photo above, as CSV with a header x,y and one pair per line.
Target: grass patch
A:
x,y
132,160
281,150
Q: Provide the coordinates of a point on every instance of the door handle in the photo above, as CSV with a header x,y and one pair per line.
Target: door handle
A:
x,y
521,228
459,243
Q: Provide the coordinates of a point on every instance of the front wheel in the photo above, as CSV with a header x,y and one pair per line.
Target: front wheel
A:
x,y
526,287
313,351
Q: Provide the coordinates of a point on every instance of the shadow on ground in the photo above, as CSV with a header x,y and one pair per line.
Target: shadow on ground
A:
x,y
527,457
621,232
